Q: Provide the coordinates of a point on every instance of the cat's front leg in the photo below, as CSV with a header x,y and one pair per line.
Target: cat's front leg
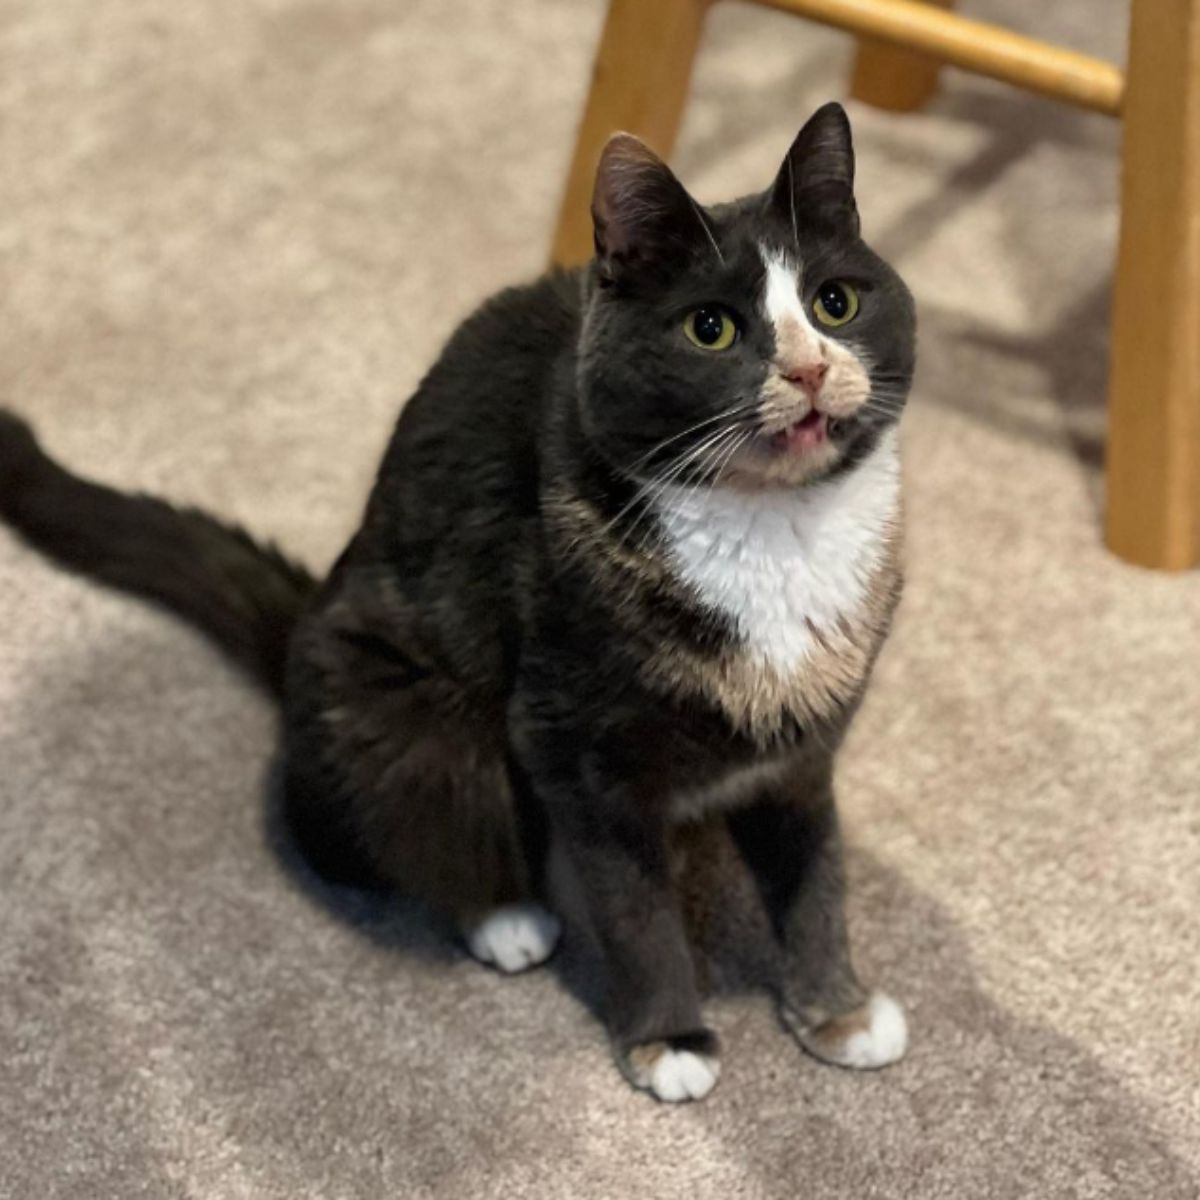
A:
x,y
618,861
611,850
790,840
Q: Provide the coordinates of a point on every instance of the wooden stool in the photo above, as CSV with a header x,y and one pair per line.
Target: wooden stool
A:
x,y
640,84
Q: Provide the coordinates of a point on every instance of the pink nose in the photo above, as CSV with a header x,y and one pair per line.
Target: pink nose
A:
x,y
809,378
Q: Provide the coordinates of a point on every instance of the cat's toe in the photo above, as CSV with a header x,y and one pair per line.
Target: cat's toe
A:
x,y
682,1075
675,1074
873,1035
514,937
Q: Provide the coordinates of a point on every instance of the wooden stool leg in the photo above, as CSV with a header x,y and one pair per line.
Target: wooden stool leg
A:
x,y
1154,387
639,84
889,77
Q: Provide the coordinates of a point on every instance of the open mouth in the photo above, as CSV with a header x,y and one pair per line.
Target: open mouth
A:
x,y
806,434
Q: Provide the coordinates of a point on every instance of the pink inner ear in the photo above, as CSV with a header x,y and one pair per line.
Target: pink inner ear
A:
x,y
816,181
628,179
639,208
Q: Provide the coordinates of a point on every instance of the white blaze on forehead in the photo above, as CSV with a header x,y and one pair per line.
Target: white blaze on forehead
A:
x,y
795,338
781,293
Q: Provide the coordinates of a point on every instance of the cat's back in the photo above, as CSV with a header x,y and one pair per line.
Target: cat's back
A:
x,y
489,385
447,529
464,453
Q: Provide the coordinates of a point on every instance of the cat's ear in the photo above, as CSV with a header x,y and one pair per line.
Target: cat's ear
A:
x,y
815,185
644,219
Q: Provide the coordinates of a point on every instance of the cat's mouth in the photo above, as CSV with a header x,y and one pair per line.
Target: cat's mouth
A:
x,y
806,434
787,454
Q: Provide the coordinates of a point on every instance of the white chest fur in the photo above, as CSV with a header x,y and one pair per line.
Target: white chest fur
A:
x,y
787,567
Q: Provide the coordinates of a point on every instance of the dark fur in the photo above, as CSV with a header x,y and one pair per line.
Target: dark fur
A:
x,y
492,662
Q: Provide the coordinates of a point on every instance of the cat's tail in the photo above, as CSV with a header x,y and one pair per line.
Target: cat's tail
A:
x,y
244,596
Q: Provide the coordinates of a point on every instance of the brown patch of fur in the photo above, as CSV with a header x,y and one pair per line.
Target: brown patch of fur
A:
x,y
644,1058
831,1035
639,1061
738,786
755,697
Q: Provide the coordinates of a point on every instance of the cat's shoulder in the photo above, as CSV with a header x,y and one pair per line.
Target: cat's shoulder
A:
x,y
551,305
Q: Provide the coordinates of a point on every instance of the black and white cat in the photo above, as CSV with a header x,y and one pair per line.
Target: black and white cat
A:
x,y
627,564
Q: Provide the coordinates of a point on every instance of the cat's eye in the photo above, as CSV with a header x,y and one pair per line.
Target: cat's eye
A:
x,y
835,303
710,328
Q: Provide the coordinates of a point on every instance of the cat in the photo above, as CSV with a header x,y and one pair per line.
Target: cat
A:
x,y
627,564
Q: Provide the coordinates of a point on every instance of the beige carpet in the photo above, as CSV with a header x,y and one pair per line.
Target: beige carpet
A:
x,y
232,235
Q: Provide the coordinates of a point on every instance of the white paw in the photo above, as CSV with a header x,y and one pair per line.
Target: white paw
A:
x,y
515,937
881,1036
884,1040
680,1075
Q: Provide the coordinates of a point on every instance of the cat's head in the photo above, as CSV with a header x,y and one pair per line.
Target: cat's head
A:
x,y
759,343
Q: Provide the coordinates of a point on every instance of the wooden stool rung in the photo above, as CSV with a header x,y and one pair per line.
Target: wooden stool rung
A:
x,y
975,46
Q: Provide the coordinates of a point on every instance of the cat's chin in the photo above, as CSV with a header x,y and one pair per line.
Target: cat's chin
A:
x,y
782,460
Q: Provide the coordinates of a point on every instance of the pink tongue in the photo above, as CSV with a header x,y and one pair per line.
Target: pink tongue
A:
x,y
806,433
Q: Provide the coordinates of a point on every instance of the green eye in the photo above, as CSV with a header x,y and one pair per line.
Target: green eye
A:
x,y
835,303
710,328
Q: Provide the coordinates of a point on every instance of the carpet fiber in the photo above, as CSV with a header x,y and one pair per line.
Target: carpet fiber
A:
x,y
232,236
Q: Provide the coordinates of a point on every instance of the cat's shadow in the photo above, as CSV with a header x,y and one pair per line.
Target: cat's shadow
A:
x,y
1000,1076
979,1077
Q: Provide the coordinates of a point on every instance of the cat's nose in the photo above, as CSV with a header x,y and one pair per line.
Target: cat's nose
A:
x,y
808,377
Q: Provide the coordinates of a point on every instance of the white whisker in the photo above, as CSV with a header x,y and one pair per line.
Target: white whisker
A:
x,y
664,477
747,434
792,200
709,232
660,486
738,409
